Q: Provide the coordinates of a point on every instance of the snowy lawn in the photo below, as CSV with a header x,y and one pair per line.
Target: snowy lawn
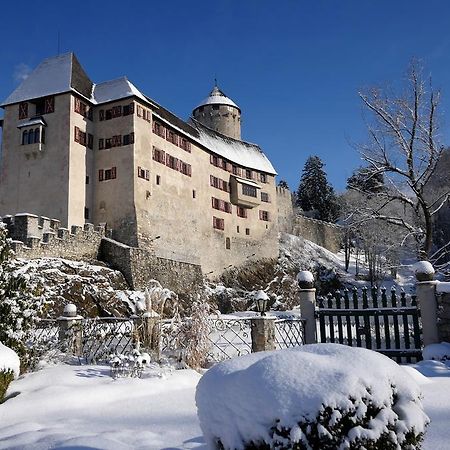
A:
x,y
82,407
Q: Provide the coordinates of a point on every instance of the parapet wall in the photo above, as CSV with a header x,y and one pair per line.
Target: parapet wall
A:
x,y
325,234
37,237
139,266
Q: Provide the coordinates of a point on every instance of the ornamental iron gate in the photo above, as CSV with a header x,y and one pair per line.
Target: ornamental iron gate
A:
x,y
389,324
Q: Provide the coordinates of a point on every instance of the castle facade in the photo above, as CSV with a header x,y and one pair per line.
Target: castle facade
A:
x,y
106,153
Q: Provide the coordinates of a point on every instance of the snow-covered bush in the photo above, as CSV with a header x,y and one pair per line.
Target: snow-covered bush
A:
x,y
320,396
128,365
20,302
438,352
9,368
195,334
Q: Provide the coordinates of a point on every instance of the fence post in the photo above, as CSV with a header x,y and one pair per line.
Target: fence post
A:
x,y
307,294
263,333
426,298
70,330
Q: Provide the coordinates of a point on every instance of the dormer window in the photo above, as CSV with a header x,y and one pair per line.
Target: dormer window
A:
x,y
33,132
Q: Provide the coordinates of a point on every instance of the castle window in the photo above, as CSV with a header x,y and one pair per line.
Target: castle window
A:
x,y
25,137
79,136
172,137
264,215
143,173
116,111
218,224
108,114
236,170
185,169
90,141
228,243
117,140
241,212
101,144
45,105
214,160
263,177
247,231
107,174
128,109
185,144
37,135
101,175
249,190
193,193
23,110
101,115
128,139
108,143
159,155
30,137
158,129
158,180
86,213
248,174
80,107
265,197
87,179
237,228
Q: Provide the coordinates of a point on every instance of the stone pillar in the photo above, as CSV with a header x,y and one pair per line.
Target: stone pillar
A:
x,y
263,333
426,299
71,331
307,294
25,225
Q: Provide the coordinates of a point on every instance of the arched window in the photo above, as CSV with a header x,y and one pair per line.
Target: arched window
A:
x,y
30,137
37,136
25,137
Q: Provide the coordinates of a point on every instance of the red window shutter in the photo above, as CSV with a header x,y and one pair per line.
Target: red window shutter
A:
x,y
23,110
49,105
139,171
147,175
100,175
113,172
75,135
189,170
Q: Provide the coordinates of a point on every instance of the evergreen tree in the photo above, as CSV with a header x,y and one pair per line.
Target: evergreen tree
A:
x,y
315,193
365,179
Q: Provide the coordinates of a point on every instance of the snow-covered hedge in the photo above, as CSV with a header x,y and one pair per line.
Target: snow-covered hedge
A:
x,y
325,396
438,352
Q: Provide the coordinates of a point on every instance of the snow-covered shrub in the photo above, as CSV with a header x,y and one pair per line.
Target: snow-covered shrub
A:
x,y
195,334
438,352
128,365
9,368
320,396
20,302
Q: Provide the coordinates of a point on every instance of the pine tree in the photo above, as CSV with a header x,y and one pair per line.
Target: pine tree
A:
x,y
315,193
366,180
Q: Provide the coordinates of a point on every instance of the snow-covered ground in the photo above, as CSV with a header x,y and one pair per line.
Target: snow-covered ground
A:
x,y
82,407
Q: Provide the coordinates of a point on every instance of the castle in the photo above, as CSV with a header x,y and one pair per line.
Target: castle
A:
x,y
106,153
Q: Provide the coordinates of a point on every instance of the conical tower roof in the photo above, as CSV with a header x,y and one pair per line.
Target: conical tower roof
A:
x,y
217,97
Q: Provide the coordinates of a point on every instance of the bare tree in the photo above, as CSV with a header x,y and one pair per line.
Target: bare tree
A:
x,y
405,147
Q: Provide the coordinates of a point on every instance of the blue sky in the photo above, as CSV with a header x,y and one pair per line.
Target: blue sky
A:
x,y
294,67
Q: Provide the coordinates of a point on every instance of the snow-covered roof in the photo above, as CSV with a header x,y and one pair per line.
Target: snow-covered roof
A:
x,y
115,90
51,76
217,97
248,182
239,152
30,122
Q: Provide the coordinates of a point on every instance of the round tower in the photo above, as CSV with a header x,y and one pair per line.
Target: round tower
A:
x,y
219,113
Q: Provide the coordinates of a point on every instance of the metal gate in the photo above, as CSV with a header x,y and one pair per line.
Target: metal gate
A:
x,y
387,323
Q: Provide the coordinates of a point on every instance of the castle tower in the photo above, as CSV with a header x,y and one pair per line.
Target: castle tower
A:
x,y
219,113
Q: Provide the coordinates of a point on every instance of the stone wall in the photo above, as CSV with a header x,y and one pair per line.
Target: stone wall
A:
x,y
444,316
139,266
285,210
36,237
322,233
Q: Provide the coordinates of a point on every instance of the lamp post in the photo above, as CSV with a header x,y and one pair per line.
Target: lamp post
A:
x,y
261,302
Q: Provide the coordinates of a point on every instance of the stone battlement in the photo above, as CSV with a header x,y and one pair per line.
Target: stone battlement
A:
x,y
34,237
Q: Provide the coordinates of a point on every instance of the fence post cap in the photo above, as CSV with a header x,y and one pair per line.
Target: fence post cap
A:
x,y
305,279
70,310
424,271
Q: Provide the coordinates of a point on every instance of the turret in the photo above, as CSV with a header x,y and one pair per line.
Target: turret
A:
x,y
219,113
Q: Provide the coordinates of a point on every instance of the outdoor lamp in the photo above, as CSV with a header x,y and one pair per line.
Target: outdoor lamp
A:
x,y
261,302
